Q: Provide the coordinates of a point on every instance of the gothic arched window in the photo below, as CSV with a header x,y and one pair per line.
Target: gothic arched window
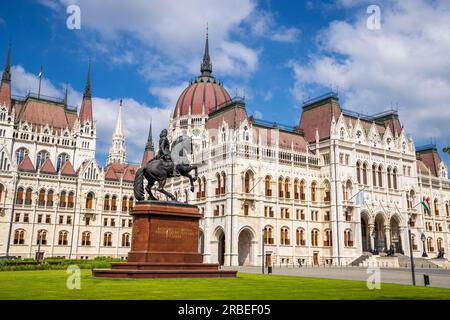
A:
x,y
62,158
21,154
41,157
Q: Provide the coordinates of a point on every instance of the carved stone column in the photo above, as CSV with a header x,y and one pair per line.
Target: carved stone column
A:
x,y
387,231
371,236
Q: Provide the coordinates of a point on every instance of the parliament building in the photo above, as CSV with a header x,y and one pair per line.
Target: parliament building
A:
x,y
338,188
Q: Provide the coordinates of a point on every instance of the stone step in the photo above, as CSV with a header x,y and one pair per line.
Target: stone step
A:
x,y
163,266
358,261
137,274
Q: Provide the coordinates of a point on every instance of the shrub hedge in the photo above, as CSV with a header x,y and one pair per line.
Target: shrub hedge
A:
x,y
55,264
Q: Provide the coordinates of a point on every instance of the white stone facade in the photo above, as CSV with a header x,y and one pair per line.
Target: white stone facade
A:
x,y
333,229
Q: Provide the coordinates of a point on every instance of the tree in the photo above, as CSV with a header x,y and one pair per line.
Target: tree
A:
x,y
446,150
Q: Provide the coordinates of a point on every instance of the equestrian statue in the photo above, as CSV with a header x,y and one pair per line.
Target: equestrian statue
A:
x,y
170,161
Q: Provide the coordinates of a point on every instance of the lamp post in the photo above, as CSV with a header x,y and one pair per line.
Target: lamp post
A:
x,y
38,255
422,237
262,253
411,253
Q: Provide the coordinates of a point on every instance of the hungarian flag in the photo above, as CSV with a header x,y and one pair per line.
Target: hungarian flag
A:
x,y
359,198
426,206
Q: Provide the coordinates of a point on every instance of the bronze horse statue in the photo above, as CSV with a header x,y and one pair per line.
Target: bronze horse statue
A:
x,y
159,170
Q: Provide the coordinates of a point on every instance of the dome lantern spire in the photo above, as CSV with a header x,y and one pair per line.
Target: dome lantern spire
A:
x,y
206,66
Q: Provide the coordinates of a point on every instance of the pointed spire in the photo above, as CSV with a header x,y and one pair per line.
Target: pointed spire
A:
x,y
117,153
7,71
119,127
149,146
65,95
5,85
206,66
149,152
86,105
87,88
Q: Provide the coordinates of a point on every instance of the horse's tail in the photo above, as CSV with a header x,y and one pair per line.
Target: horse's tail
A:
x,y
139,193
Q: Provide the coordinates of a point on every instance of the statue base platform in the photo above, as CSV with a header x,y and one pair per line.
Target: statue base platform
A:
x,y
164,244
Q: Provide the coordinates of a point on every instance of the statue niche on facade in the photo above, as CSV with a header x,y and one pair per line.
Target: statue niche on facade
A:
x,y
168,163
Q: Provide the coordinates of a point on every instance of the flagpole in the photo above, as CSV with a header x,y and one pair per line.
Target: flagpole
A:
x,y
357,193
40,78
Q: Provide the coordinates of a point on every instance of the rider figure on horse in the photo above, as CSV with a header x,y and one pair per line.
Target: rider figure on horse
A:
x,y
158,169
164,150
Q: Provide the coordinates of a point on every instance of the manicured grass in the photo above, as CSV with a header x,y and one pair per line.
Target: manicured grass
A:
x,y
51,284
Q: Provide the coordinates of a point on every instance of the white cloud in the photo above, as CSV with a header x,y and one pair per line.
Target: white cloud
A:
x,y
405,62
236,59
51,4
25,82
168,96
268,95
262,24
258,114
174,30
126,57
136,115
155,68
286,35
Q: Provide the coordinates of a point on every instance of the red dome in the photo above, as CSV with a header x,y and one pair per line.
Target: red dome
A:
x,y
201,97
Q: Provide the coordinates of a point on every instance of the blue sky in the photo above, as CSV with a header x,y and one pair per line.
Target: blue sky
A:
x,y
278,52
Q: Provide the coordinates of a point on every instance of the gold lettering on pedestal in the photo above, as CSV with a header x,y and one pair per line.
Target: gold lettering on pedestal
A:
x,y
136,229
175,233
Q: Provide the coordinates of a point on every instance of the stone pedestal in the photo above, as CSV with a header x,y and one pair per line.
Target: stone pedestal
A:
x,y
164,245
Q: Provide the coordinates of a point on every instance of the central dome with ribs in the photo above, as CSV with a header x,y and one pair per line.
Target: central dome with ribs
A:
x,y
203,95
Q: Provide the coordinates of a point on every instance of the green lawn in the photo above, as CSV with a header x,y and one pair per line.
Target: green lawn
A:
x,y
52,285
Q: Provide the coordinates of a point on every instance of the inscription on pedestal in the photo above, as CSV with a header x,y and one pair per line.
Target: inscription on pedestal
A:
x,y
175,233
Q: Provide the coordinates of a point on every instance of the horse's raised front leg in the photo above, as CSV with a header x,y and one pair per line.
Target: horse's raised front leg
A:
x,y
193,167
191,180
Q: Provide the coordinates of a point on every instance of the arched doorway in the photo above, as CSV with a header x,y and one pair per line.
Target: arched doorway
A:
x,y
380,236
365,236
395,235
245,247
220,247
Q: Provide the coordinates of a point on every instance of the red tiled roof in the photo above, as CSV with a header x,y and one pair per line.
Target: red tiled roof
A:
x,y
67,169
83,165
228,116
431,159
86,110
40,112
422,167
48,167
366,125
111,174
288,140
26,164
5,94
130,173
71,118
118,167
17,105
395,125
319,117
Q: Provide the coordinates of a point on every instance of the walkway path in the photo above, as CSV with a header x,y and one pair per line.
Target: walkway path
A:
x,y
438,277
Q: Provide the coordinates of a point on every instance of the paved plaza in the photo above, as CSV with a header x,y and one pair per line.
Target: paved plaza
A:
x,y
438,277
